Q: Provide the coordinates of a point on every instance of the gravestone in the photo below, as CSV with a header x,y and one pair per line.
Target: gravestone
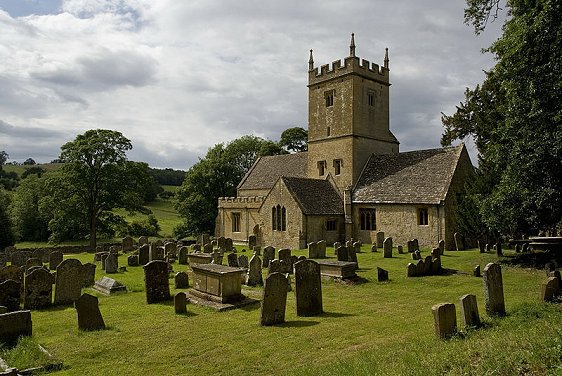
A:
x,y
257,250
357,246
88,274
342,254
204,239
416,255
156,281
55,258
387,247
420,268
274,267
109,286
182,256
517,248
39,253
550,289
221,242
321,248
458,241
103,257
10,295
400,249
252,241
181,280
111,263
33,261
382,275
196,248
312,250
308,288
469,311
374,248
133,260
427,265
254,277
411,270
232,259
144,254
481,246
68,282
13,325
158,243
476,271
114,250
127,244
416,244
441,247
208,248
228,245
156,253
180,303
499,249
216,258
493,290
89,315
380,239
11,272
143,240
170,250
19,258
285,256
336,246
445,319
243,261
352,256
487,247
274,300
268,255
410,246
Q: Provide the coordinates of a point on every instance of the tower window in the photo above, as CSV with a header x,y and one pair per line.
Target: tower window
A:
x,y
235,222
331,224
329,96
321,168
423,217
371,99
337,166
368,219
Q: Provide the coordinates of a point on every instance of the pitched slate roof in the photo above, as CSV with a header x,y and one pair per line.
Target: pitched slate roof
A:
x,y
267,170
314,196
415,177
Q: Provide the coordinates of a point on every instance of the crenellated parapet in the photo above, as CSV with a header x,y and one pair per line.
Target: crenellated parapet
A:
x,y
351,65
241,202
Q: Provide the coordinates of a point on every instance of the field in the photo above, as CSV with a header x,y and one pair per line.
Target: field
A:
x,y
366,329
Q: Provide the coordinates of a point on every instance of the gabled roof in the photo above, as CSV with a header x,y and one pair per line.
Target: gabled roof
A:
x,y
415,177
314,196
267,170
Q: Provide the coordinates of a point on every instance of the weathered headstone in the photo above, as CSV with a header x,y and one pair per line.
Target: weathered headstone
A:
x,y
133,260
10,295
19,258
357,246
487,247
469,311
336,246
158,243
400,249
216,258
182,256
387,247
144,254
493,290
410,246
274,266
55,258
88,274
243,261
476,271
15,324
127,244
111,263
68,282
11,272
312,250
232,259
441,247
156,253
445,319
89,315
285,256
180,303
208,248
142,241
427,265
254,277
308,288
412,270
39,253
499,248
342,254
109,286
374,248
352,256
268,255
38,291
228,245
274,300
170,250
103,257
321,248
380,239
517,248
33,261
550,289
481,246
181,280
156,281
382,275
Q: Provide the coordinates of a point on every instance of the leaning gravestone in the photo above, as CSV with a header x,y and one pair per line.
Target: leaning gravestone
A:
x,y
382,275
181,280
10,295
127,244
55,258
68,282
15,324
493,290
38,291
445,319
274,300
182,256
111,263
89,274
180,303
268,255
109,286
308,288
89,315
255,277
156,281
144,254
469,311
387,247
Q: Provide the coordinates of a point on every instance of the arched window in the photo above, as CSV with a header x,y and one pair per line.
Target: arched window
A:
x,y
273,218
283,219
278,218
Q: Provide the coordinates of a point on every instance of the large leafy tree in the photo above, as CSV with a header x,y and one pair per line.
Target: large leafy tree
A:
x,y
95,179
515,117
214,176
294,139
6,234
29,222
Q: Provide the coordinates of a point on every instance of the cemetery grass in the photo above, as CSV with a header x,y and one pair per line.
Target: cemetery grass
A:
x,y
366,329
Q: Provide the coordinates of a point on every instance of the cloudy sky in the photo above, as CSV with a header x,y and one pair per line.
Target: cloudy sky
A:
x,y
177,77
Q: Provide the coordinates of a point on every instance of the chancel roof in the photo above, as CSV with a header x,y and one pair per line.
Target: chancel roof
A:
x,y
315,196
267,170
415,177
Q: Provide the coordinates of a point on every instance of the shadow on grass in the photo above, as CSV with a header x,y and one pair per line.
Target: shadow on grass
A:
x,y
536,259
298,324
336,314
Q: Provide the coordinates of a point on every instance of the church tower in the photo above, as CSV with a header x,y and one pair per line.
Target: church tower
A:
x,y
348,117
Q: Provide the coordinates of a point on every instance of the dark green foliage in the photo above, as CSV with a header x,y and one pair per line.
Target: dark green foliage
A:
x,y
7,237
8,180
36,170
144,227
29,223
29,162
516,118
167,176
294,139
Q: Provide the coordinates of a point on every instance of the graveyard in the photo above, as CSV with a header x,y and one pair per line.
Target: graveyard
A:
x,y
364,326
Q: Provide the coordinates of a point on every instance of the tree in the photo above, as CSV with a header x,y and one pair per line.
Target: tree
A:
x,y
3,158
516,117
6,234
29,161
35,170
29,223
95,179
295,139
214,176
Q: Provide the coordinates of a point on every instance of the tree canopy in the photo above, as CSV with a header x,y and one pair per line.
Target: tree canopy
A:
x,y
294,139
515,117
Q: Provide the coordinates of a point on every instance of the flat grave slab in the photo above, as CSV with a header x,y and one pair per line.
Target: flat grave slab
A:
x,y
219,283
199,258
108,286
337,269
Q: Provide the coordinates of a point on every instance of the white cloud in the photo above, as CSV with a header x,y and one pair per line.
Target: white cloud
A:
x,y
177,77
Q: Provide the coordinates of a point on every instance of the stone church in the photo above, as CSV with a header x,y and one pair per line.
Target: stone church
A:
x,y
352,182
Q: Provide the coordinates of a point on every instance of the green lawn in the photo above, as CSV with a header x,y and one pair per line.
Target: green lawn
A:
x,y
163,210
371,328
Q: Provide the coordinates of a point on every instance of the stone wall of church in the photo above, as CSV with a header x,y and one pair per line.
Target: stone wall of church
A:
x,y
247,208
316,229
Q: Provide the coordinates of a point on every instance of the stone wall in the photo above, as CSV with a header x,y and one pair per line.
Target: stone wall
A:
x,y
316,229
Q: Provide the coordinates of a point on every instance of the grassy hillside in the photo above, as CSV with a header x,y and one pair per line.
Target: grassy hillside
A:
x,y
20,169
366,329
